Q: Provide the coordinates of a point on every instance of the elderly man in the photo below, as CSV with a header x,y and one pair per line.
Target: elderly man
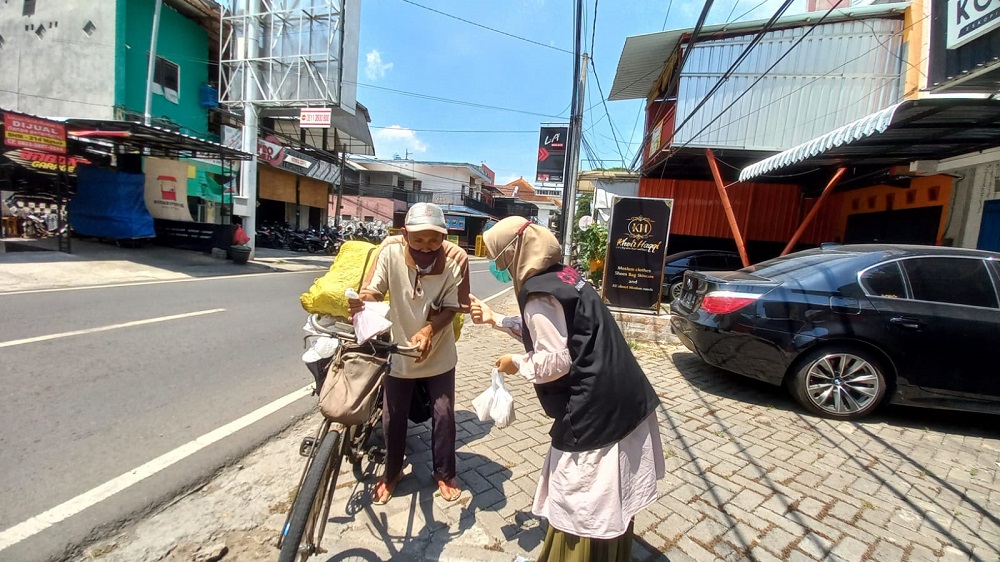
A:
x,y
427,279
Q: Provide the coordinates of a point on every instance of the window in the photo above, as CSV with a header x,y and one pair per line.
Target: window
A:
x,y
951,280
345,217
400,184
713,262
417,184
369,218
29,8
885,281
167,79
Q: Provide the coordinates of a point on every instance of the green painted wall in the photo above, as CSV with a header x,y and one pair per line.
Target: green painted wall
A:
x,y
182,42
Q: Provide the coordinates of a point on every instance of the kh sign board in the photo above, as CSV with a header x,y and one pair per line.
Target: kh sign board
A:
x,y
637,246
971,19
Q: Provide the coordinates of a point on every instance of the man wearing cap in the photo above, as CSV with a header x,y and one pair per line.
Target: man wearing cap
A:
x,y
427,279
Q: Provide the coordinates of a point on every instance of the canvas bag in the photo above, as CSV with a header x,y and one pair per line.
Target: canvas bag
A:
x,y
351,386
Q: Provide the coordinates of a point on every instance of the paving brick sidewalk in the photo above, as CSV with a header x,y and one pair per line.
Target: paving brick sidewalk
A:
x,y
750,477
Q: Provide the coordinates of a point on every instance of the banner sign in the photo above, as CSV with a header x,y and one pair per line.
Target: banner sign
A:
x,y
637,246
315,117
166,189
455,222
21,131
552,154
46,162
970,19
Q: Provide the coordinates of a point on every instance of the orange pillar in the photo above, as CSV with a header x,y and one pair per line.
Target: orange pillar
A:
x,y
727,206
814,211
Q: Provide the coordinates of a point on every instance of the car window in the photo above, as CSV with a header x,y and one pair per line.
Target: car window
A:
x,y
884,280
951,280
682,262
713,261
786,265
734,262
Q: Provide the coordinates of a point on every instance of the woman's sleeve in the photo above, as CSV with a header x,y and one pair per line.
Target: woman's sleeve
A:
x,y
510,325
550,359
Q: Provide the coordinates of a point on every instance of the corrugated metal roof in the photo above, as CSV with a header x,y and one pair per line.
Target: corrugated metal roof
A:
x,y
643,56
840,72
926,129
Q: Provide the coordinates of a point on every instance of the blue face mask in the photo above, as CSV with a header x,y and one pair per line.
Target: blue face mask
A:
x,y
502,275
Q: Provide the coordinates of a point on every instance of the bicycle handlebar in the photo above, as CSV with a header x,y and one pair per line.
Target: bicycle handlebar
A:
x,y
345,332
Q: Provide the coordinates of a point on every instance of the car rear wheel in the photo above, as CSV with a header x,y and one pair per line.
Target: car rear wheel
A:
x,y
839,382
675,290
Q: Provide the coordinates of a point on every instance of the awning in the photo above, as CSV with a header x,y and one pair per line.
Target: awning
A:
x,y
118,137
927,129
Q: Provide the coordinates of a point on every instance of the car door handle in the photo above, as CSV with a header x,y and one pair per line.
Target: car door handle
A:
x,y
904,322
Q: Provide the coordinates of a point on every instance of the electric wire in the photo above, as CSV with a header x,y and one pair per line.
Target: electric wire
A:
x,y
518,37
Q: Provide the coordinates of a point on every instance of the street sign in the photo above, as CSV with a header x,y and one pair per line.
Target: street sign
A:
x,y
315,117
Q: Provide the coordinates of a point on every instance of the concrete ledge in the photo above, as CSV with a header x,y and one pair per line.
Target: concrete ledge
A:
x,y
643,327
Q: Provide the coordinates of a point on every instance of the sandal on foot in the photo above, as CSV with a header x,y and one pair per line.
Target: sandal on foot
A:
x,y
383,491
449,491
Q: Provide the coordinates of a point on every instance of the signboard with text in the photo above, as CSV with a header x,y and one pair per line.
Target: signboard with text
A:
x,y
552,154
637,246
22,131
315,117
455,222
969,19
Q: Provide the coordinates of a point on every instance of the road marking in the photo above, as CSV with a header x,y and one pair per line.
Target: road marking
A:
x,y
158,282
65,510
36,339
498,295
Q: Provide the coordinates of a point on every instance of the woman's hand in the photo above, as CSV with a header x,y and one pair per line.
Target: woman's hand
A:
x,y
506,365
482,313
422,340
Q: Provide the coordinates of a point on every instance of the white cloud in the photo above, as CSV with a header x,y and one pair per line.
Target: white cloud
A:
x,y
375,68
507,179
397,140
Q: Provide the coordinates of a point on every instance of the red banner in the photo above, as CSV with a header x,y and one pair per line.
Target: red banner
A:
x,y
21,131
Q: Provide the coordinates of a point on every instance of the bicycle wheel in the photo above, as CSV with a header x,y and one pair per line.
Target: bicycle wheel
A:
x,y
308,504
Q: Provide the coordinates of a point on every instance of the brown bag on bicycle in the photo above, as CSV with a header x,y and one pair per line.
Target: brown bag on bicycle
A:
x,y
352,384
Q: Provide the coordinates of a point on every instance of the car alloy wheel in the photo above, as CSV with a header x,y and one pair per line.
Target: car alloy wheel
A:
x,y
675,290
840,384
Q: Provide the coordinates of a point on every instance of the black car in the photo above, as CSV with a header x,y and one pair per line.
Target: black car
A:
x,y
850,327
694,260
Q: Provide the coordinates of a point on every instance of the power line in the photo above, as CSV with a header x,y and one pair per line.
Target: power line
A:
x,y
611,123
765,73
593,32
733,11
741,16
518,37
725,77
802,87
664,26
484,131
452,101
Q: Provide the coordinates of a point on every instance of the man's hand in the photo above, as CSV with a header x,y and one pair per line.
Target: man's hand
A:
x,y
354,306
482,313
506,365
422,340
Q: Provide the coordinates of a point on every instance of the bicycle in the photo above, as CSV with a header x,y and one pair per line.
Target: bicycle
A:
x,y
303,530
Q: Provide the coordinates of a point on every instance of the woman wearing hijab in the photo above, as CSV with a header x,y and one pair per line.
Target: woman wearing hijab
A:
x,y
605,456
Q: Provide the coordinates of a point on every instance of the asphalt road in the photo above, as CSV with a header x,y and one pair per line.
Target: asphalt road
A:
x,y
89,401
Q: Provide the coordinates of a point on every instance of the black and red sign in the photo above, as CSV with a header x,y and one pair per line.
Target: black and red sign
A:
x,y
552,154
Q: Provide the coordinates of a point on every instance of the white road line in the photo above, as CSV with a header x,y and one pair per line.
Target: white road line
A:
x,y
65,510
157,282
498,295
36,339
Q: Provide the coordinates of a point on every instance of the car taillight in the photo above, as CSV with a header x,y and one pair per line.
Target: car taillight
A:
x,y
725,302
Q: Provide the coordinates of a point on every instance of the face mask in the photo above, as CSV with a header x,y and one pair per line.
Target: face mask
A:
x,y
501,275
424,259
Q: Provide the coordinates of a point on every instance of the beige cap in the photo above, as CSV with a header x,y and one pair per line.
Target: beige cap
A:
x,y
425,216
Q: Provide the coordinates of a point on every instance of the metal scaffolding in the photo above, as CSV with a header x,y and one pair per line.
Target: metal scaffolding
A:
x,y
296,59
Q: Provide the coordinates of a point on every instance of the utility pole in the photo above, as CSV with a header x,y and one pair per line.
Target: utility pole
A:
x,y
151,70
248,170
580,60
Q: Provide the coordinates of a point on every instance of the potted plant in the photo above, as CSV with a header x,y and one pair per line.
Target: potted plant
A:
x,y
591,244
240,253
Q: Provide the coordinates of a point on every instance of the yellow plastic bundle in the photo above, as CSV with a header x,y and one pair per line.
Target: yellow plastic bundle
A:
x,y
326,295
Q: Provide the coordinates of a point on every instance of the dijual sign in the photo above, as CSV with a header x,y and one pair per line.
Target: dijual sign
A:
x,y
971,19
21,131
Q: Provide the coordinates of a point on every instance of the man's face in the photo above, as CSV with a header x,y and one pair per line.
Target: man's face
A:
x,y
424,240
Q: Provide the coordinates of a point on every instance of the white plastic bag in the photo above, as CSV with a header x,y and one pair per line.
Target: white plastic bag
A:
x,y
371,321
502,410
495,403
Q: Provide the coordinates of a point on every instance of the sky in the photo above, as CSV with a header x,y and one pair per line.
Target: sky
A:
x,y
491,92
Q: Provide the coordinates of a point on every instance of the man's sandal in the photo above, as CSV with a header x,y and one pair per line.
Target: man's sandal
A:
x,y
449,491
383,490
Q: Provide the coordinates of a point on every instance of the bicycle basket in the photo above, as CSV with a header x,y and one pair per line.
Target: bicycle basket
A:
x,y
352,384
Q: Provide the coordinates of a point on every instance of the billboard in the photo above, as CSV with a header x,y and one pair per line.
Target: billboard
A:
x,y
22,131
969,20
637,246
552,154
